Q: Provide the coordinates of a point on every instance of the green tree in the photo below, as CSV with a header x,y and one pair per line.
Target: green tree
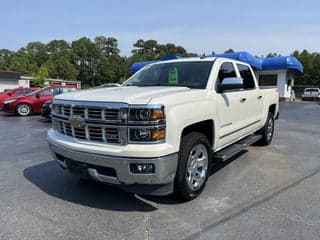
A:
x,y
230,50
107,46
5,57
36,51
87,57
311,64
23,63
60,67
40,76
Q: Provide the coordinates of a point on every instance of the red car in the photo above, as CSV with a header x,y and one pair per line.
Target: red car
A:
x,y
32,103
19,91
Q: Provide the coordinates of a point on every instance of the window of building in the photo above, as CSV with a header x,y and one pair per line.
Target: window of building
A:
x,y
268,79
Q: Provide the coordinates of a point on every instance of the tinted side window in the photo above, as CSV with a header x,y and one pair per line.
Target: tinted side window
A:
x,y
245,73
226,70
27,91
18,91
46,92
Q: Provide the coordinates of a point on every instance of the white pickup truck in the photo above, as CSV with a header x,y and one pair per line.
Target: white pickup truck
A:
x,y
161,131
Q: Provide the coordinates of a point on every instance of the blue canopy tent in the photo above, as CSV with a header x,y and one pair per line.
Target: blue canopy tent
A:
x,y
288,62
242,56
270,63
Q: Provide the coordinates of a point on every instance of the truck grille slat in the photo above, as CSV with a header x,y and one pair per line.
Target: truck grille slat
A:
x,y
89,130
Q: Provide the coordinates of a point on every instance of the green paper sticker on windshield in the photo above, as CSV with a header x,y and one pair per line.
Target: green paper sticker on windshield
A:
x,y
173,76
147,67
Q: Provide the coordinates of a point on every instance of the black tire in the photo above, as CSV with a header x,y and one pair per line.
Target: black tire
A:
x,y
267,131
27,109
189,143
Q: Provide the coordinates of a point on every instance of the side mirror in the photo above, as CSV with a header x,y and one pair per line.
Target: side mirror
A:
x,y
9,94
230,83
38,95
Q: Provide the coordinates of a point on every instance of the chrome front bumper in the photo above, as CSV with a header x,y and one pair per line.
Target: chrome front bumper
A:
x,y
165,167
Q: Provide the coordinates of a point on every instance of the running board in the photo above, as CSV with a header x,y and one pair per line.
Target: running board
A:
x,y
228,152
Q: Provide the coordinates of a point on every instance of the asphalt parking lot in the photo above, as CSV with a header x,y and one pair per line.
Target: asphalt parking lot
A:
x,y
265,193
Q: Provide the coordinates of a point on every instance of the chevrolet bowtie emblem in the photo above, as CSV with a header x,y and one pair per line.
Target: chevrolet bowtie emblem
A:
x,y
76,121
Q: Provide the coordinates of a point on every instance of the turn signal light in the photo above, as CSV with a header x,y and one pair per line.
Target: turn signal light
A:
x,y
158,134
157,114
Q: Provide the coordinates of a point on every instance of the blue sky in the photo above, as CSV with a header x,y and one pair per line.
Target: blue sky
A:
x,y
200,26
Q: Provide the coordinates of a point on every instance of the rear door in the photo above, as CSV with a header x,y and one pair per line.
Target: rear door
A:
x,y
253,97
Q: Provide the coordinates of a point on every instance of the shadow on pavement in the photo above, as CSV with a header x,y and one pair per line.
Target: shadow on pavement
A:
x,y
56,182
216,167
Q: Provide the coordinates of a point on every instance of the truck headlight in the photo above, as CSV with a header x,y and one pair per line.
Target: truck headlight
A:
x,y
146,114
147,124
145,134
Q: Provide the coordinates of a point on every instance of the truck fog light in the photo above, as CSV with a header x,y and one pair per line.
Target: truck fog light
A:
x,y
142,134
147,134
142,168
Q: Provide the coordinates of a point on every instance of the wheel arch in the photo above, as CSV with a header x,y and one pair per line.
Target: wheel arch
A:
x,y
205,127
273,109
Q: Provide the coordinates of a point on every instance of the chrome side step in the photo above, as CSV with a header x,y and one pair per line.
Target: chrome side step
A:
x,y
228,152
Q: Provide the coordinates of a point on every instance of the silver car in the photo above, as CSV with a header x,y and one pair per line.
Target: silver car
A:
x,y
311,94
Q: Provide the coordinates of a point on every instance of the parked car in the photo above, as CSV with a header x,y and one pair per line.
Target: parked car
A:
x,y
32,103
311,94
19,91
5,90
161,130
46,109
106,85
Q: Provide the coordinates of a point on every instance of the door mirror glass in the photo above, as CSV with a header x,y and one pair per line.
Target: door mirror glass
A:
x,y
231,83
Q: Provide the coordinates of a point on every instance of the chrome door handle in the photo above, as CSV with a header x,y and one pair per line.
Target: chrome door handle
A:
x,y
243,99
259,97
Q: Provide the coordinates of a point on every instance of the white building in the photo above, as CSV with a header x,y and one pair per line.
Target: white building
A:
x,y
11,79
53,81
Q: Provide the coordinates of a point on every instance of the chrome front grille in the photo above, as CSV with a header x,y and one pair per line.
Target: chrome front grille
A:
x,y
94,113
90,133
97,123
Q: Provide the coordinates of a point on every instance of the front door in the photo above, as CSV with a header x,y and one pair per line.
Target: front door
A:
x,y
239,110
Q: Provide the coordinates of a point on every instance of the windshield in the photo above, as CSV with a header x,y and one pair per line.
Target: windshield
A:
x,y
177,74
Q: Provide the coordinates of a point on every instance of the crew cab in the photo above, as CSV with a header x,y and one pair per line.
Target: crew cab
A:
x,y
160,132
32,103
19,91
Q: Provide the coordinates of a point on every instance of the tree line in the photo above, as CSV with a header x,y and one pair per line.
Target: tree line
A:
x,y
97,61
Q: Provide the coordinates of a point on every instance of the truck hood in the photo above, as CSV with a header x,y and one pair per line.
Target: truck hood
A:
x,y
125,94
